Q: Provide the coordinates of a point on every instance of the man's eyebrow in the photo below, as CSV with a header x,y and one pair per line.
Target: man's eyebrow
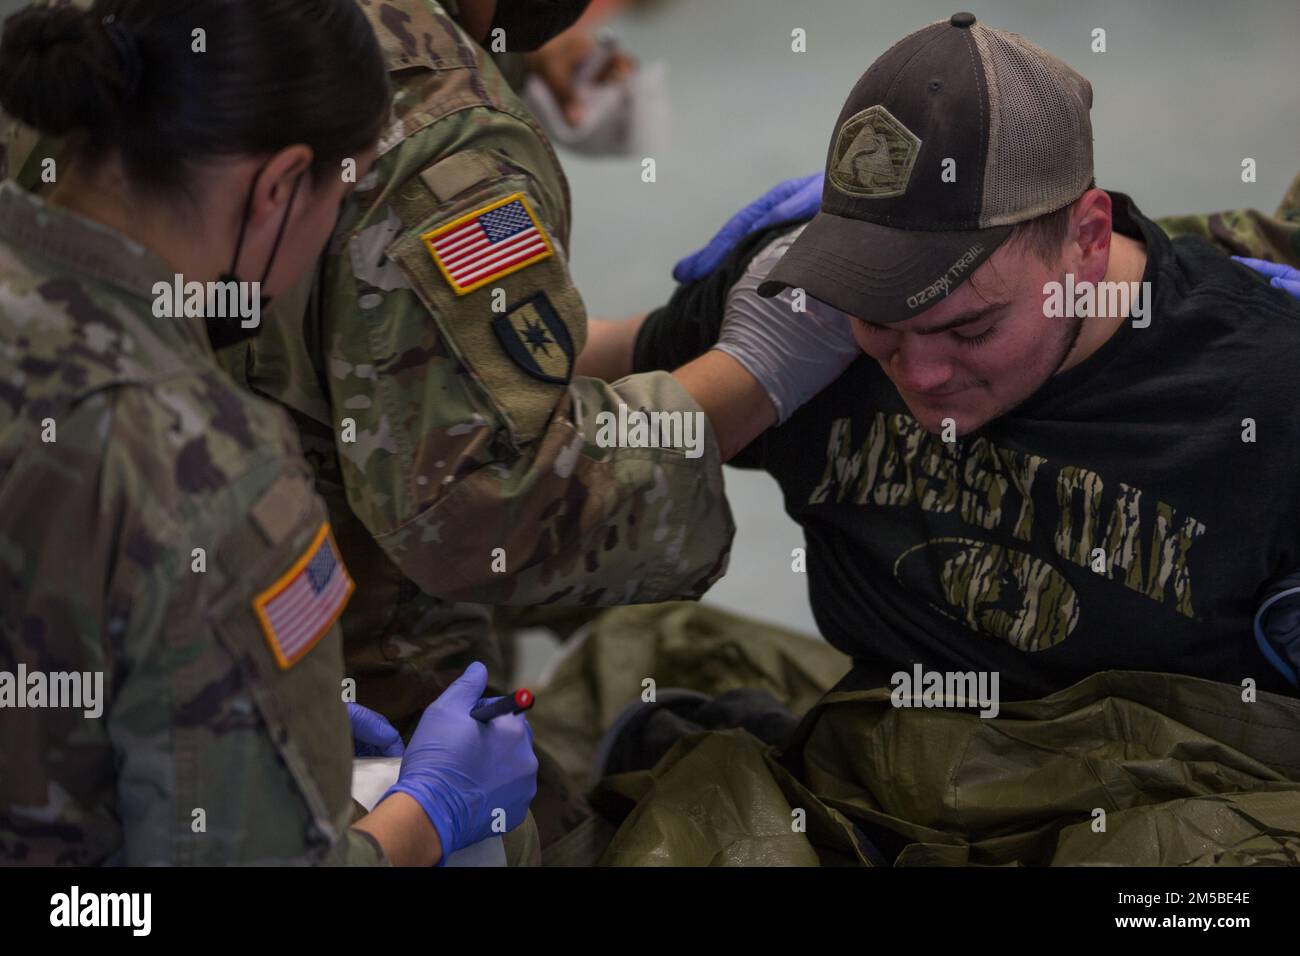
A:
x,y
966,318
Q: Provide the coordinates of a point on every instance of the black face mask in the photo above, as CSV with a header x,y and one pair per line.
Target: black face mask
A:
x,y
228,331
530,24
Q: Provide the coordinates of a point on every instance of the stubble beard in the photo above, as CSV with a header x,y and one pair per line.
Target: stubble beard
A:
x,y
1065,345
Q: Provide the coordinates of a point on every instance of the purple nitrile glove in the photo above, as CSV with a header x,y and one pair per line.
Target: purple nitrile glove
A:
x,y
1280,276
372,734
792,201
461,770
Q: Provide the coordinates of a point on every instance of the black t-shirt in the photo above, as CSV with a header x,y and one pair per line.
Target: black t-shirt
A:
x,y
981,554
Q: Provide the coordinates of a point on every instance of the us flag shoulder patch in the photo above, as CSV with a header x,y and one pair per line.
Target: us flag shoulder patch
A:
x,y
297,610
488,244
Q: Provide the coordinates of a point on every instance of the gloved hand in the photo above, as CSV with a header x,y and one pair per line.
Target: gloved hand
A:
x,y
460,770
1280,276
372,734
792,201
794,355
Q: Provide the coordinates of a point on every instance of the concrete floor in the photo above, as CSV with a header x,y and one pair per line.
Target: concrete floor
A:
x,y
1186,89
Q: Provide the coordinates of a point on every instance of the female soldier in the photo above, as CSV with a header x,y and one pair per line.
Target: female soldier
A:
x,y
169,666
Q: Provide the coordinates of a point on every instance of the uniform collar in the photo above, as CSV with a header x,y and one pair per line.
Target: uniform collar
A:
x,y
87,248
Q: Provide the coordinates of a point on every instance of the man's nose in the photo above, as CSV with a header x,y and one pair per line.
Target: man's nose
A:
x,y
919,366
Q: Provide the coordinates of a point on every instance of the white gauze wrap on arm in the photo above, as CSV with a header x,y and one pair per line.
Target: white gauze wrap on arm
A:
x,y
793,355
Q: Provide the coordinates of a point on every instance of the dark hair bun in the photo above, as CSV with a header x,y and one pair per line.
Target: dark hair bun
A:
x,y
126,80
59,71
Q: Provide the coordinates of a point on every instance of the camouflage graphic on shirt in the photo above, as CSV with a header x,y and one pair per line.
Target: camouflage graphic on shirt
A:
x,y
995,588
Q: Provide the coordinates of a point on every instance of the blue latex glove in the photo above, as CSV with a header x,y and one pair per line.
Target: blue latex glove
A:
x,y
372,734
792,201
1280,276
460,770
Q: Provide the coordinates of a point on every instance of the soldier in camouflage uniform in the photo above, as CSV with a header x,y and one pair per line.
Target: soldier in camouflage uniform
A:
x,y
458,448
151,454
161,540
438,432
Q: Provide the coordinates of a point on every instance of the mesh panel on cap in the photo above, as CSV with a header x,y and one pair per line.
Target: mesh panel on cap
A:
x,y
1040,136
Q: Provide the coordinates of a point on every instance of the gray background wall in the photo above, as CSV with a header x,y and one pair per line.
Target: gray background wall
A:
x,y
1185,90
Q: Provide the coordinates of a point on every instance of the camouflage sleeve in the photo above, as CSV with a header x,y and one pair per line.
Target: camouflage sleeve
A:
x,y
231,741
1248,232
481,466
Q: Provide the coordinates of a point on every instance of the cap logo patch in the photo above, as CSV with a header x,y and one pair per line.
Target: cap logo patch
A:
x,y
874,155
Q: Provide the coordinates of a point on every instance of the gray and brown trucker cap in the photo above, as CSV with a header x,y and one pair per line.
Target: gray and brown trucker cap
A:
x,y
892,237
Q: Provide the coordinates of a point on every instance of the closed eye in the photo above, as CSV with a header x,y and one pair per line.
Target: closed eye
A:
x,y
975,341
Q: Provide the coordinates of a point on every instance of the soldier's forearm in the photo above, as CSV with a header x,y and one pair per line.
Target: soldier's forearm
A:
x,y
608,353
737,406
402,829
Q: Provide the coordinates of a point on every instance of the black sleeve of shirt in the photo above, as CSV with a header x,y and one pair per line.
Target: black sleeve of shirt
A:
x,y
688,325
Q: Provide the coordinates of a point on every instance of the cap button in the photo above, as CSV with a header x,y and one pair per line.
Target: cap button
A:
x,y
963,20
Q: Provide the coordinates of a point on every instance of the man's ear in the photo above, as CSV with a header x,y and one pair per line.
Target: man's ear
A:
x,y
276,181
1090,230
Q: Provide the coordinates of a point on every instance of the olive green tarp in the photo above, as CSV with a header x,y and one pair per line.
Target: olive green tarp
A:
x,y
1123,768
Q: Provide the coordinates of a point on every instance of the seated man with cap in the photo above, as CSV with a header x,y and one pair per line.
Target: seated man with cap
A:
x,y
1071,443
